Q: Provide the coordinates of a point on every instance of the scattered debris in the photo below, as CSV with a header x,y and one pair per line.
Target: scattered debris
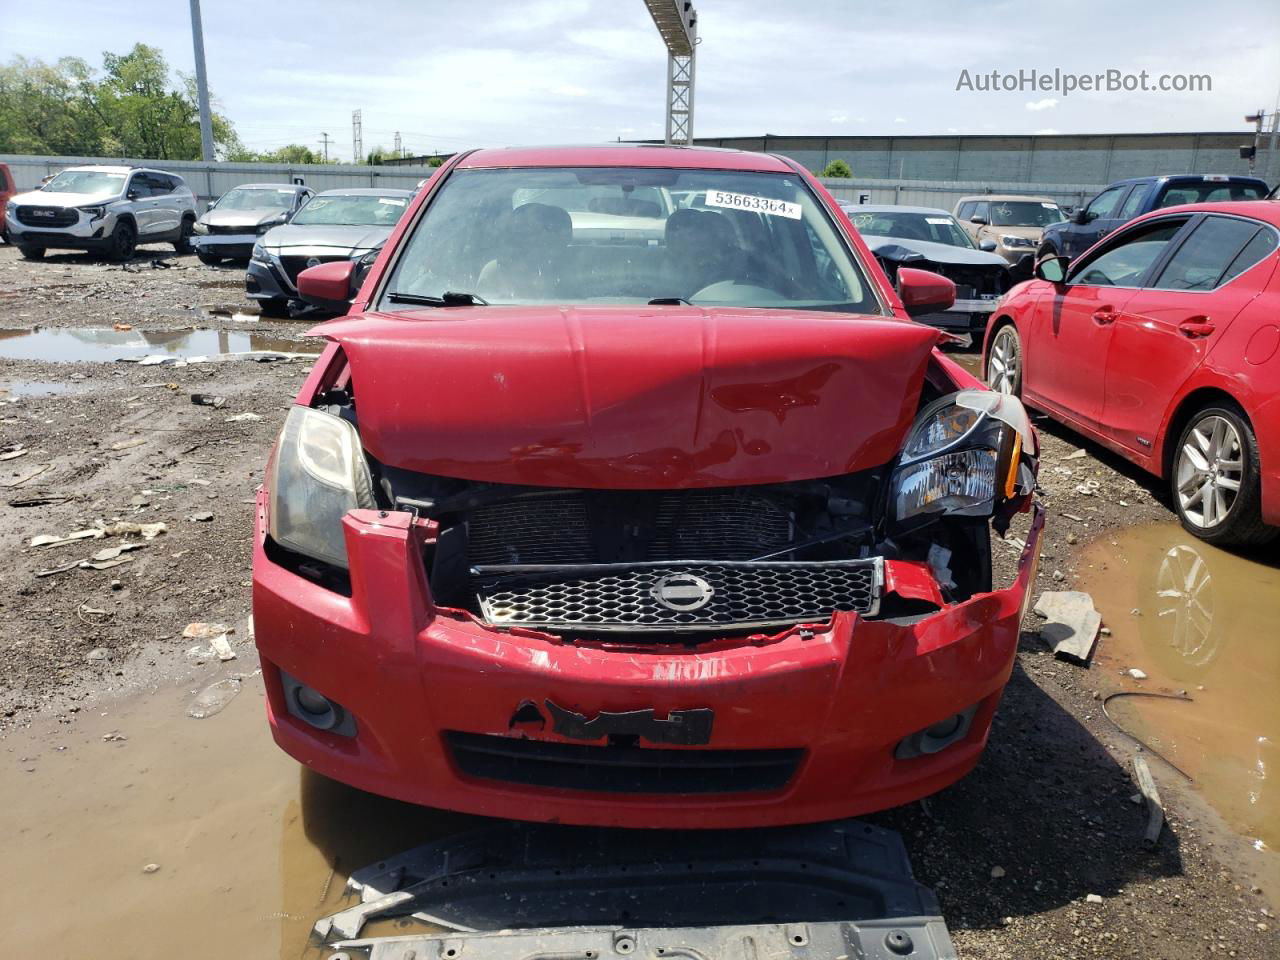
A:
x,y
97,654
1072,624
53,540
148,531
126,444
243,417
1078,454
13,453
1072,516
1093,898
39,499
202,516
213,698
122,327
1136,673
151,868
1155,809
208,400
114,737
997,872
1088,488
204,631
216,636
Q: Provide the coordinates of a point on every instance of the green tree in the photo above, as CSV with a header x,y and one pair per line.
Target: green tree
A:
x,y
132,108
837,168
435,161
378,155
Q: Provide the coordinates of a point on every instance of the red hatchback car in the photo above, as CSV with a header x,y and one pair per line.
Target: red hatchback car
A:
x,y
1162,342
629,494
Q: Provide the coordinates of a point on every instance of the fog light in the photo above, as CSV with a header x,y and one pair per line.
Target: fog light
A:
x,y
937,737
315,709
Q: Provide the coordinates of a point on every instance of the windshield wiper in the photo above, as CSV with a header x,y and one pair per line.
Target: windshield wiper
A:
x,y
669,301
450,298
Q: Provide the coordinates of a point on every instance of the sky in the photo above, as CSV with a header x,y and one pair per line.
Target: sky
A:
x,y
449,75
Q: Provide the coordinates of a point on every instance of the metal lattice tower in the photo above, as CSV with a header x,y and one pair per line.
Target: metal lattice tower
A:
x,y
357,138
677,22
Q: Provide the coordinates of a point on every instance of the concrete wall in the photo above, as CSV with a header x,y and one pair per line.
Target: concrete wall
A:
x,y
943,194
209,180
1057,159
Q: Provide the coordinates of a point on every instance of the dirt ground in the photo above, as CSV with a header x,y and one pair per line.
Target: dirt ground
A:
x,y
1016,852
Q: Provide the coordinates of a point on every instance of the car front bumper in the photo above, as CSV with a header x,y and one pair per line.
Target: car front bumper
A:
x,y
85,234
233,246
267,281
425,686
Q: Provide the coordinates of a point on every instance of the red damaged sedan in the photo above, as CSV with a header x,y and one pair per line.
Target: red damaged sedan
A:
x,y
629,494
1162,342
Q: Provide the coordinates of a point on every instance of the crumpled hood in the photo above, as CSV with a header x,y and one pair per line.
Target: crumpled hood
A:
x,y
343,239
240,218
632,397
935,252
44,198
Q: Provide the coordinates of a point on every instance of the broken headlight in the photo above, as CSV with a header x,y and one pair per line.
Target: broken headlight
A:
x,y
320,473
962,455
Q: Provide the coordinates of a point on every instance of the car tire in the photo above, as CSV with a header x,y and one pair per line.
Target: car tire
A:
x,y
29,252
1002,365
208,259
183,243
1214,480
122,242
275,307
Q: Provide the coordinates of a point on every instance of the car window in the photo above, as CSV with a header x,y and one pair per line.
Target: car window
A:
x,y
590,235
1262,245
357,209
966,209
1105,203
1133,203
160,184
931,227
980,209
1204,257
1123,263
1209,191
1024,213
140,185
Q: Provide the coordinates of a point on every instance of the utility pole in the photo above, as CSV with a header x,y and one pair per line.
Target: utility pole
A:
x,y
202,85
325,138
1250,153
357,137
399,147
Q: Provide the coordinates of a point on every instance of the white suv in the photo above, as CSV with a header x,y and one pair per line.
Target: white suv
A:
x,y
105,209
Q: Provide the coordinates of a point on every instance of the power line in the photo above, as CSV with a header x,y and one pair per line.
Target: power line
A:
x,y
325,138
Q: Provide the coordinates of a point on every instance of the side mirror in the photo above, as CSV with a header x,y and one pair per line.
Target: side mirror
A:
x,y
987,246
1053,269
1081,217
131,195
924,292
980,221
328,285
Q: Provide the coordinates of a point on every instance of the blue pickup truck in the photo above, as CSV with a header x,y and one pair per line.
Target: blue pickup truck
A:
x,y
1122,201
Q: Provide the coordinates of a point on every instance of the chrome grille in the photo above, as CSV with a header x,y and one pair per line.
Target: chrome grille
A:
x,y
627,597
294,265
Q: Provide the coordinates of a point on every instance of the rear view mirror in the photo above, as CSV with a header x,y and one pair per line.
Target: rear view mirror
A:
x,y
987,246
1053,269
328,285
924,292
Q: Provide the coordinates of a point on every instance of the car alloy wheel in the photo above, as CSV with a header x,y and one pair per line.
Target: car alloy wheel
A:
x,y
1210,471
1004,362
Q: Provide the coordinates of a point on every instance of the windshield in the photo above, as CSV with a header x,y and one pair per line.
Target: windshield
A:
x,y
1210,191
256,198
932,227
351,210
1025,213
623,235
86,182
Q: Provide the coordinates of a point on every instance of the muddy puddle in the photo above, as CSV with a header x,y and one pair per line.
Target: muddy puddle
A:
x,y
106,345
251,848
1200,620
11,389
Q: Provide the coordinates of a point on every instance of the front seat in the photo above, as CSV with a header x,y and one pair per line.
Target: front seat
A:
x,y
533,244
701,249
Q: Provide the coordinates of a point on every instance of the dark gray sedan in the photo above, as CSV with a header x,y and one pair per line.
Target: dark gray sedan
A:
x,y
342,224
232,224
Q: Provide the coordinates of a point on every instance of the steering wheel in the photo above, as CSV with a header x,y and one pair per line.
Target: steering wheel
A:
x,y
730,291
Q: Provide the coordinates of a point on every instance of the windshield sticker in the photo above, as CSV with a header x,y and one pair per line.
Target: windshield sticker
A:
x,y
1049,206
392,202
938,221
745,201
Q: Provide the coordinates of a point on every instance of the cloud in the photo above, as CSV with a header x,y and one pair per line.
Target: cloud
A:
x,y
1048,103
839,118
1047,132
899,119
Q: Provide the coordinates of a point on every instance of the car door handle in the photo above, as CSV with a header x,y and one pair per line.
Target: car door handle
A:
x,y
1104,315
1194,327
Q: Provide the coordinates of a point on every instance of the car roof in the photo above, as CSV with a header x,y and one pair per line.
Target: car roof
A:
x,y
627,155
269,186
1265,210
101,168
365,192
1191,178
893,208
1002,197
